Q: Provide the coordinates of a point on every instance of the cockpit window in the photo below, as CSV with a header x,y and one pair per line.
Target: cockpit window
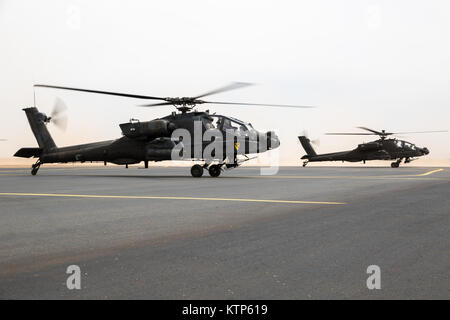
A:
x,y
404,144
208,124
225,123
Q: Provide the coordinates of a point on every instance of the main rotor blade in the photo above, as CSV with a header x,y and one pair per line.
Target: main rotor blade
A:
x,y
231,86
101,92
259,104
349,134
420,132
156,104
374,131
378,133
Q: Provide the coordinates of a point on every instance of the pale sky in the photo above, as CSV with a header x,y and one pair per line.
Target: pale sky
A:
x,y
379,64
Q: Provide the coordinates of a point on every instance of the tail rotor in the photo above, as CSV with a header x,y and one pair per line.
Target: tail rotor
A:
x,y
315,142
58,116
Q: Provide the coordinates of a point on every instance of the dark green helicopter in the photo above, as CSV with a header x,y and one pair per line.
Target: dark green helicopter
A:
x,y
381,149
184,135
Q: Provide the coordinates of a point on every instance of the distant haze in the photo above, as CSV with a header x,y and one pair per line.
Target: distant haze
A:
x,y
379,64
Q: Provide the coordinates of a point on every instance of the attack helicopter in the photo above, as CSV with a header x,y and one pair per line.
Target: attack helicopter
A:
x,y
184,135
381,149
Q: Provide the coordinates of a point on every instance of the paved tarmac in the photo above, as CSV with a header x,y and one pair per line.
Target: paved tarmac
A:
x,y
305,233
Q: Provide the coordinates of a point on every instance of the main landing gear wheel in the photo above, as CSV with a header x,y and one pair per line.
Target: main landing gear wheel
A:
x,y
214,170
395,165
197,171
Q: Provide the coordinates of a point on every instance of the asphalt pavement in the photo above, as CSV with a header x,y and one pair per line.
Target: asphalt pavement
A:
x,y
304,233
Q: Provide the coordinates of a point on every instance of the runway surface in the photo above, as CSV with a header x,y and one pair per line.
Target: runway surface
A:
x,y
305,233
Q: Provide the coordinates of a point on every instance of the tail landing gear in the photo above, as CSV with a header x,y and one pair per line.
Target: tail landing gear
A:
x,y
305,163
35,167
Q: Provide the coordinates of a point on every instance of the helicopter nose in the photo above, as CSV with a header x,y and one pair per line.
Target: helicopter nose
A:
x,y
273,141
425,151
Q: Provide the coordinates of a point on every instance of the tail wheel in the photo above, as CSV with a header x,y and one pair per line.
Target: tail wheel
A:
x,y
35,167
214,170
197,171
395,165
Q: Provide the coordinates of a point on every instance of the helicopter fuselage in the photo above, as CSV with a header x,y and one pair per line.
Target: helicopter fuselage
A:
x,y
155,141
381,149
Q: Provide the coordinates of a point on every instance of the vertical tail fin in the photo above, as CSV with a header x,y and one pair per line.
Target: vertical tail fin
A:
x,y
307,146
37,123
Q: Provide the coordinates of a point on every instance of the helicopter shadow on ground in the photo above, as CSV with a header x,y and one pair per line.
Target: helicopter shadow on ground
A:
x,y
173,177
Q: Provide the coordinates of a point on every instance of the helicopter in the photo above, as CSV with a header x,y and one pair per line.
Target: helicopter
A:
x,y
381,149
219,141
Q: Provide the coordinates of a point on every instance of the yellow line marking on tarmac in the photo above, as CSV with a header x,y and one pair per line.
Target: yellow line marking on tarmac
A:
x,y
404,176
164,198
430,172
342,177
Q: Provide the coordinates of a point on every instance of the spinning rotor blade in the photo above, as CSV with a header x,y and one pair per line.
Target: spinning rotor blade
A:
x,y
420,132
102,92
156,104
57,117
58,107
376,132
313,141
231,86
316,142
349,134
61,123
259,104
381,134
185,103
305,133
230,103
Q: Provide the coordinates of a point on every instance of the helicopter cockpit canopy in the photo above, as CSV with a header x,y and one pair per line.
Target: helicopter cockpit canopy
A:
x,y
224,123
399,143
405,144
410,146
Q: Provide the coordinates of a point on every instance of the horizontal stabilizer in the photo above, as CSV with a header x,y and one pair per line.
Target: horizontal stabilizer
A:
x,y
28,152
